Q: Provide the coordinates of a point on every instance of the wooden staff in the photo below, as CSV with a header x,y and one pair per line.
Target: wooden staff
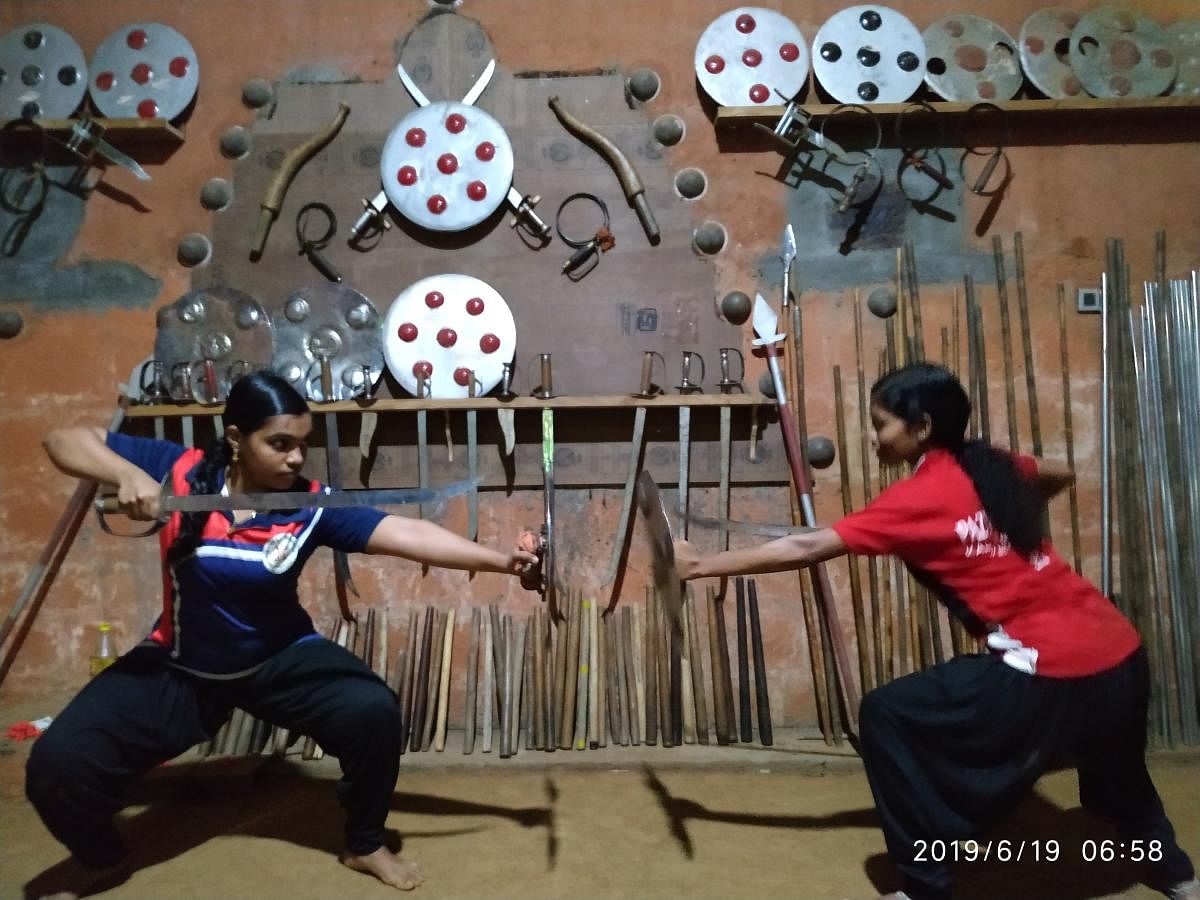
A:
x,y
720,710
864,450
444,681
408,679
687,704
697,663
472,683
571,672
505,676
1035,422
914,296
527,689
650,668
489,681
381,657
670,713
421,681
497,657
746,730
856,598
762,696
592,667
1010,398
726,685
516,675
539,681
605,660
435,675
619,685
631,642
1068,430
561,630
583,683
905,349
978,360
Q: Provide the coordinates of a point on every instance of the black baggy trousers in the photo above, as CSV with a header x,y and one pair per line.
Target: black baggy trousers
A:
x,y
139,713
952,750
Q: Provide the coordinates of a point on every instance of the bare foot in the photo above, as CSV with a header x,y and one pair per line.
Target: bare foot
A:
x,y
387,867
70,881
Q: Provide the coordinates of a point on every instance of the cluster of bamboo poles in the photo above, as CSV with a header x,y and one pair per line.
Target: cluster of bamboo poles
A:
x,y
586,681
1151,401
899,626
244,735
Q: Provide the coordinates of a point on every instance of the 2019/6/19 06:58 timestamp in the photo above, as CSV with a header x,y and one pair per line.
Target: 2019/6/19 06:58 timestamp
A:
x,y
1035,850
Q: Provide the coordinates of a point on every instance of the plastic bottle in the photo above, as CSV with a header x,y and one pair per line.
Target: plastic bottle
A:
x,y
105,654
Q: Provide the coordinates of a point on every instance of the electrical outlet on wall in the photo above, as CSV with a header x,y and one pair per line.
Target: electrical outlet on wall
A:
x,y
1087,300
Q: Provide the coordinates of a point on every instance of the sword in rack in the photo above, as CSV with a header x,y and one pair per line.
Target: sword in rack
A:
x,y
522,204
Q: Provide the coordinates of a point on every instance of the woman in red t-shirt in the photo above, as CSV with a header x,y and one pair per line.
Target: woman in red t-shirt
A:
x,y
951,750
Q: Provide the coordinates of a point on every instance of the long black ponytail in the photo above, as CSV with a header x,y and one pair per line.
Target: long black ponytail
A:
x,y
252,400
1013,503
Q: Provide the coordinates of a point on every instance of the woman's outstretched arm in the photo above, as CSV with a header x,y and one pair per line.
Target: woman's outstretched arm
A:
x,y
425,542
796,551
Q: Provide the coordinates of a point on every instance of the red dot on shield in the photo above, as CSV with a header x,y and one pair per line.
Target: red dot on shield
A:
x,y
485,151
789,52
436,204
462,376
752,57
104,81
141,73
434,299
415,137
476,190
179,66
147,109
455,123
422,369
447,337
759,93
714,64
407,176
489,343
407,332
137,39
474,306
745,23
448,163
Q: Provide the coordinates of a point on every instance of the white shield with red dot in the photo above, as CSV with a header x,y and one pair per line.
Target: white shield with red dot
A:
x,y
751,57
447,166
144,70
449,328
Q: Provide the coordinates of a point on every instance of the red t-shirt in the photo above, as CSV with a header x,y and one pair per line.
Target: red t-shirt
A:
x,y
1055,621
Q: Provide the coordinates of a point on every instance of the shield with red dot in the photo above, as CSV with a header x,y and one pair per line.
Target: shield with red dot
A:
x,y
144,70
449,328
447,166
751,57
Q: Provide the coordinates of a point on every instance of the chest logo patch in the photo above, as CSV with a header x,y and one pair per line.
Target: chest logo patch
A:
x,y
279,553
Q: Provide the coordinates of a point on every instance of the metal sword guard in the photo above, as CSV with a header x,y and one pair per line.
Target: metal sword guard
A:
x,y
686,384
646,386
728,384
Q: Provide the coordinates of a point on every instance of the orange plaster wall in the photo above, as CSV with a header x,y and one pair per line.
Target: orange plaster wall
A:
x,y
1066,201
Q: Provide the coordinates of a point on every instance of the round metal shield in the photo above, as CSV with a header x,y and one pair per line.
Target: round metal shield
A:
x,y
1185,36
144,70
971,58
869,54
328,321
1045,47
1120,52
751,56
448,326
447,166
43,74
220,324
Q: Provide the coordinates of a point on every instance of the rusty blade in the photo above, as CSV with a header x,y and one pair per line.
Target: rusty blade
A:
x,y
662,550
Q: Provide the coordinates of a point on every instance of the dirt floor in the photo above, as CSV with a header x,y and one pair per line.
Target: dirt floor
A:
x,y
795,820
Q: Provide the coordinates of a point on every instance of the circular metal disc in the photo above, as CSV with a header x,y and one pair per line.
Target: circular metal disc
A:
x,y
750,56
1045,44
447,166
223,324
971,58
1120,52
869,54
144,70
1185,36
41,65
327,320
450,322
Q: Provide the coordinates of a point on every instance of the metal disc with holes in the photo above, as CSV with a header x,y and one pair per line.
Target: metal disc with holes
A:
x,y
328,321
144,70
869,54
970,58
751,56
449,326
1185,36
43,74
447,166
1120,52
221,324
1045,43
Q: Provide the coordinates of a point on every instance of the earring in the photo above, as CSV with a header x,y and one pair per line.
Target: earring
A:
x,y
234,454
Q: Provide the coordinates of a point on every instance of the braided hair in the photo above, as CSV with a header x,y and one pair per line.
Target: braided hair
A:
x,y
1013,503
253,400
